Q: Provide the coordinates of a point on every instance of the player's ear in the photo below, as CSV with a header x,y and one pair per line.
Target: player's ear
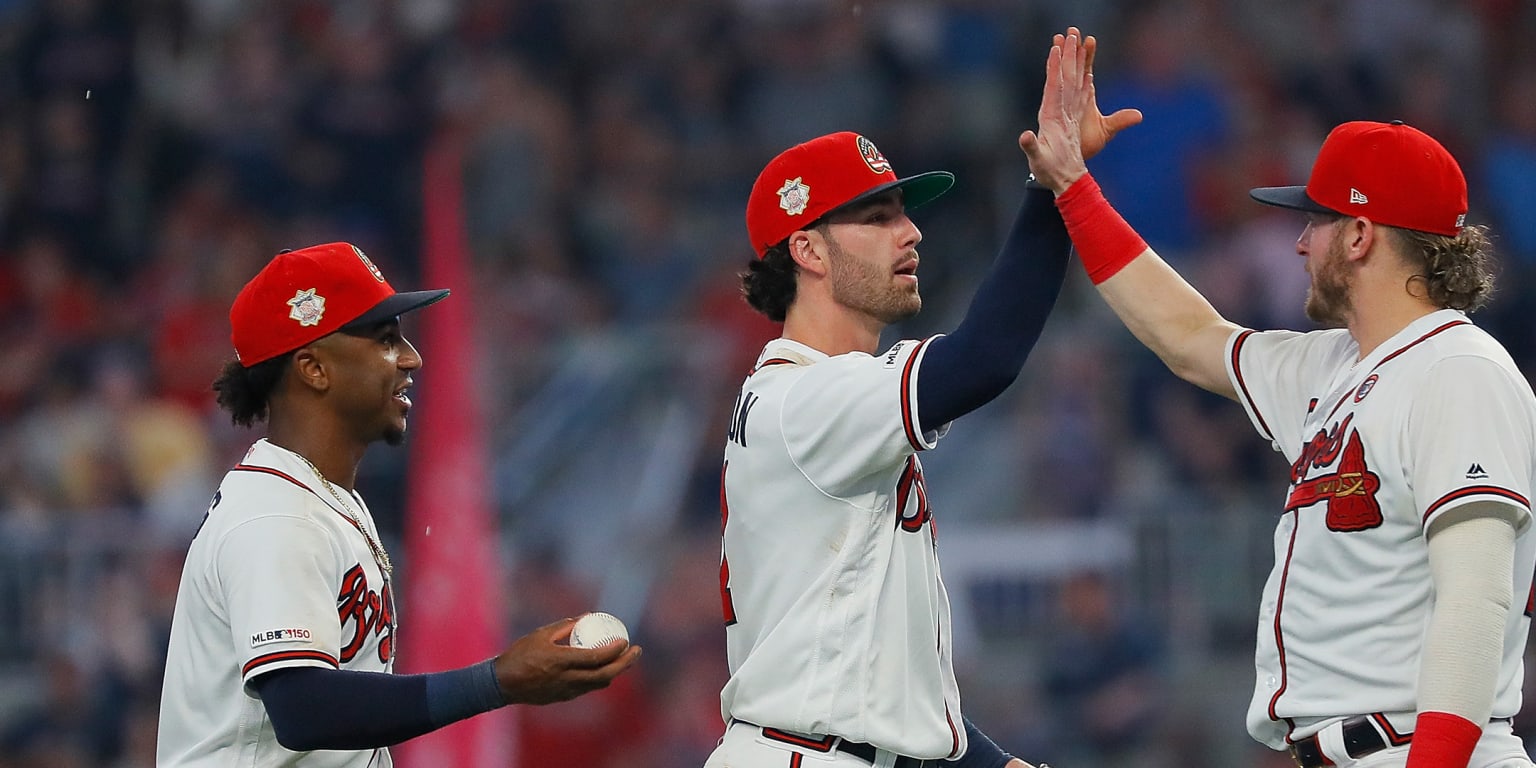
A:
x,y
1358,234
805,248
311,368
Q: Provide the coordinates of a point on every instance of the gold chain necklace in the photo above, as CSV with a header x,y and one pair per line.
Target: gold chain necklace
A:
x,y
380,556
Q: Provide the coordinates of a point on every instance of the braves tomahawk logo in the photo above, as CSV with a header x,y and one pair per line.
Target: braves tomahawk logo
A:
x,y
1349,491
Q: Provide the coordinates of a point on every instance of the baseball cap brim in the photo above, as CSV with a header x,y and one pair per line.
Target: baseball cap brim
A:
x,y
395,306
916,190
1294,198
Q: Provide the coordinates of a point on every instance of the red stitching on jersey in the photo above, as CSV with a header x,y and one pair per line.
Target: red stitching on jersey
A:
x,y
1384,360
289,478
1243,385
796,759
273,658
1474,490
1285,575
1415,342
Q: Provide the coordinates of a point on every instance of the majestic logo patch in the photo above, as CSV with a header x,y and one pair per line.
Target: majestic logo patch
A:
x,y
1476,472
308,308
1366,387
377,275
794,196
1356,197
872,156
281,636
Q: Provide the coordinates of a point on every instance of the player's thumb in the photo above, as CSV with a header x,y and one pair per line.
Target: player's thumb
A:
x,y
1123,119
1030,143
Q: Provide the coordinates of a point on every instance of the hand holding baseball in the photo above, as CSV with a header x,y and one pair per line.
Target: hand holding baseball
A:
x,y
542,668
597,629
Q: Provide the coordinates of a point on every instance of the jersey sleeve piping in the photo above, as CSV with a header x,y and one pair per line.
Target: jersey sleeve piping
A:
x,y
1242,384
1472,493
909,423
279,659
279,473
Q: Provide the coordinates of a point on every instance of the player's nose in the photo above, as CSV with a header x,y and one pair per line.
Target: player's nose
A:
x,y
909,233
410,358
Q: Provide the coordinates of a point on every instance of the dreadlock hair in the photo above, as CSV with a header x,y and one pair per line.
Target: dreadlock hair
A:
x,y
244,392
768,284
1457,271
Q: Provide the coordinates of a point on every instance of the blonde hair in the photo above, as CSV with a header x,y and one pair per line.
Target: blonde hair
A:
x,y
1457,271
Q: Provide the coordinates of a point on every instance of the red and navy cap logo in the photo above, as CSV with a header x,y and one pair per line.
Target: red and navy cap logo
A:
x,y
377,275
872,156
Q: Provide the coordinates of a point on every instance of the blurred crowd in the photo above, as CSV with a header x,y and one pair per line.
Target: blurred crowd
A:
x,y
154,153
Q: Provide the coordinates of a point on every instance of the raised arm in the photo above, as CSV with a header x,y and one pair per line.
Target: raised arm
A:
x,y
984,354
1158,306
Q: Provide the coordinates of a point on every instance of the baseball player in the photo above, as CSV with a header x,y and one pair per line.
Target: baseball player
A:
x,y
838,626
284,635
1393,624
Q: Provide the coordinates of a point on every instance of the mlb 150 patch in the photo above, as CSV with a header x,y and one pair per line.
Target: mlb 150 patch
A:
x,y
281,636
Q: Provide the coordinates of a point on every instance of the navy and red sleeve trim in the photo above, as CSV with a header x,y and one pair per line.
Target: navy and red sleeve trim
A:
x,y
1474,490
281,656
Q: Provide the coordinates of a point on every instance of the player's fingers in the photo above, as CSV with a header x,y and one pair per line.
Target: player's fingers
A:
x,y
1070,75
1090,50
593,658
600,677
1050,98
1029,142
556,631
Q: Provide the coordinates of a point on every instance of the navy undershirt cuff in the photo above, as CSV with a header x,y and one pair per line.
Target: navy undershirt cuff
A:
x,y
460,693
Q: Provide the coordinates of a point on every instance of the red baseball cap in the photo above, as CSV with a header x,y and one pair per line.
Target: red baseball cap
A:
x,y
1390,173
808,180
302,295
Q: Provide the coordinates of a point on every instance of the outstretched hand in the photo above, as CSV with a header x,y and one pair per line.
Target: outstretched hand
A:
x,y
539,668
1072,129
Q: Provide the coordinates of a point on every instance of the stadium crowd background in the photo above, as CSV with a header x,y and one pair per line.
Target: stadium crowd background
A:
x,y
153,153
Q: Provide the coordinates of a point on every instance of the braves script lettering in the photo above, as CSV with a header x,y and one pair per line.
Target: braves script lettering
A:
x,y
365,612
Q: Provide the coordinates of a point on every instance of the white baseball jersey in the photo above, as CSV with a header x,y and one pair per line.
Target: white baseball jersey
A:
x,y
838,622
278,576
1436,417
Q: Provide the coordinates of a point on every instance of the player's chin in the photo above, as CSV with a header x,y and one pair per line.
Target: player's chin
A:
x,y
394,434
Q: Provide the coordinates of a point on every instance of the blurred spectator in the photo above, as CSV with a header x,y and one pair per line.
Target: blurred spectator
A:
x,y
1104,678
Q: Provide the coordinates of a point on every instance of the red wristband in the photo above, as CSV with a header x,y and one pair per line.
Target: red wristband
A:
x,y
1104,242
1442,740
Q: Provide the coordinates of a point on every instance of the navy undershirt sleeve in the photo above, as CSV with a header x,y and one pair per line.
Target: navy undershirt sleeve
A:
x,y
972,365
981,751
313,708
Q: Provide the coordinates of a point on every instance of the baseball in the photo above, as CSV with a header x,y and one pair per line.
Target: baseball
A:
x,y
596,629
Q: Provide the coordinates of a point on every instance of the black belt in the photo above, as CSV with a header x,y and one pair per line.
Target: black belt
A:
x,y
1360,739
825,744
866,752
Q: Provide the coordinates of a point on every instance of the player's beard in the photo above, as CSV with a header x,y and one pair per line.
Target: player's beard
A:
x,y
869,288
394,436
1328,299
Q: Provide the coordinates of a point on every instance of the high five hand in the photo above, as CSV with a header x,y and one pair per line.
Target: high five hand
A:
x,y
1072,129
